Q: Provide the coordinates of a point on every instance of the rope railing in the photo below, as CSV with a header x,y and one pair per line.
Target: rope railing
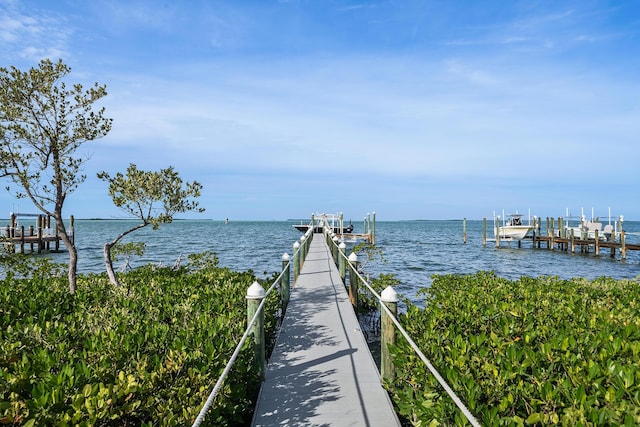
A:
x,y
236,353
412,344
300,250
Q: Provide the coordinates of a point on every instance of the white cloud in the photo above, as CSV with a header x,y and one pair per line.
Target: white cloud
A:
x,y
222,92
33,35
421,118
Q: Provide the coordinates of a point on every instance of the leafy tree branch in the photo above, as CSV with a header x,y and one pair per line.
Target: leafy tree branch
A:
x,y
154,197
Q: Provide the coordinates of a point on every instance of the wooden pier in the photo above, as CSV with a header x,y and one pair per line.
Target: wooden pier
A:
x,y
38,238
345,233
321,371
560,239
582,245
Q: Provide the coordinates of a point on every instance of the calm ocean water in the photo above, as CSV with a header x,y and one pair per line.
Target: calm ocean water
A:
x,y
413,251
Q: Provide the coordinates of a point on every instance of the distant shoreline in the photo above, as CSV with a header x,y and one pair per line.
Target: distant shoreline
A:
x,y
304,220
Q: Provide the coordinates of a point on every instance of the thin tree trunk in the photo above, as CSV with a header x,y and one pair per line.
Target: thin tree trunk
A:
x,y
107,254
73,252
73,268
109,264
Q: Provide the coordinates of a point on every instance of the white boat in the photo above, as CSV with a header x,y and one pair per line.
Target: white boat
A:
x,y
585,230
335,222
512,227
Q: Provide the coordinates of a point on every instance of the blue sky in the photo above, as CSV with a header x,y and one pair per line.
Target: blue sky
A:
x,y
412,109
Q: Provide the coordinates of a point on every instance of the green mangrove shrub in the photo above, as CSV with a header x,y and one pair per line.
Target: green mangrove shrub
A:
x,y
534,351
147,353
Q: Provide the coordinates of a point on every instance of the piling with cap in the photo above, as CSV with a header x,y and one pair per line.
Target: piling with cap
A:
x,y
389,298
353,279
342,262
285,287
373,231
255,295
303,249
296,261
464,230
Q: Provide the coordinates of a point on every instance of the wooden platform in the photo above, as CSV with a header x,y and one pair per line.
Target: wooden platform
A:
x,y
321,372
584,245
40,243
39,236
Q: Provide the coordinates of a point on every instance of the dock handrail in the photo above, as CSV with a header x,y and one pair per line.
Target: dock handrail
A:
x,y
413,345
216,388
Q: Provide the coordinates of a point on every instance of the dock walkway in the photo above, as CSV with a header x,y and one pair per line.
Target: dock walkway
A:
x,y
321,372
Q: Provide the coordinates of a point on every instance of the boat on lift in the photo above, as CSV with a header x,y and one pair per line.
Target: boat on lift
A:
x,y
512,227
335,222
586,228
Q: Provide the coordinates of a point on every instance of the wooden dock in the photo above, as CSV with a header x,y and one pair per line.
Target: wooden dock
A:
x,y
569,244
39,238
557,237
321,372
615,240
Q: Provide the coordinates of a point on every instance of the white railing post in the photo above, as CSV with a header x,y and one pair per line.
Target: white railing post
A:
x,y
296,261
342,261
285,287
303,251
353,279
255,295
389,298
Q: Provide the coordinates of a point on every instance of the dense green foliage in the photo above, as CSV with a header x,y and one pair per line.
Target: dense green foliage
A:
x,y
531,351
145,353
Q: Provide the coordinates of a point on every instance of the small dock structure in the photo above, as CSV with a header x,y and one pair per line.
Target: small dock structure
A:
x,y
583,239
39,237
343,232
555,234
321,371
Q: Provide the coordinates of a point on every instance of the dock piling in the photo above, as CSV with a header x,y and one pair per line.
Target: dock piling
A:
x,y
484,231
464,230
334,247
373,230
303,250
296,261
353,279
342,263
285,287
389,298
255,295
